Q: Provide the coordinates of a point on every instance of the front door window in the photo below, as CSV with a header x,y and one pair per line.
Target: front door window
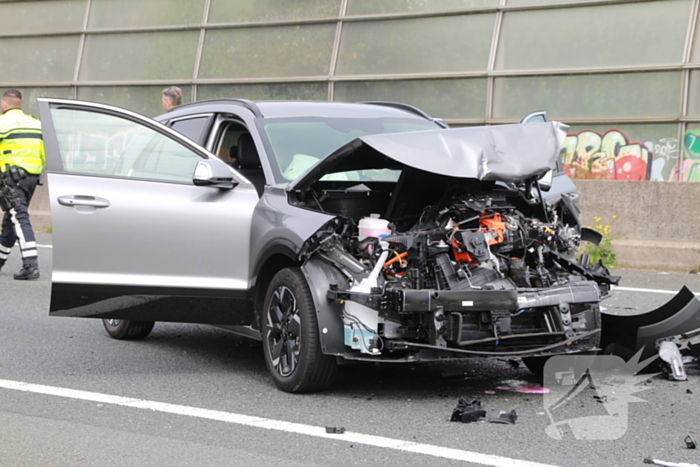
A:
x,y
101,144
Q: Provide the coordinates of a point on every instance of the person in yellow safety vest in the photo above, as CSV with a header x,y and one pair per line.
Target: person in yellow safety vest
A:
x,y
22,161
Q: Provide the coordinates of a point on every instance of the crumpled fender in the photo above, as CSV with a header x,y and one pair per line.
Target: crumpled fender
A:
x,y
321,275
625,335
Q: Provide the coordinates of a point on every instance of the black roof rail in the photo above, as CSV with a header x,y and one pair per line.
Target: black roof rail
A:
x,y
248,104
408,108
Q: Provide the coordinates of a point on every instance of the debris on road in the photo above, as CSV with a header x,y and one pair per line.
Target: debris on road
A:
x,y
508,418
670,354
690,442
670,331
468,411
337,430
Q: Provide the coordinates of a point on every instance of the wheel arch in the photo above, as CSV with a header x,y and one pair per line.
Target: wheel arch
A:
x,y
274,260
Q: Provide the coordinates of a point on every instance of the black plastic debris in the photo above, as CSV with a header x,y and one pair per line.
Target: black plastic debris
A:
x,y
688,391
337,430
468,411
690,442
601,399
507,418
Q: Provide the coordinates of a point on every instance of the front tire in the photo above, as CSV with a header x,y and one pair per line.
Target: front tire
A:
x,y
291,338
125,329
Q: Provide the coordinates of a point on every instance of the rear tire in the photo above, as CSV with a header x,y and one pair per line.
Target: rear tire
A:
x,y
290,336
125,329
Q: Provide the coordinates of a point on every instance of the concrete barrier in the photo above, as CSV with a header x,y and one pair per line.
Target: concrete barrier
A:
x,y
657,224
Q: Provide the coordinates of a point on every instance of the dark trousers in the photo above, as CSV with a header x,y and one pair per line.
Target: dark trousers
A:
x,y
16,226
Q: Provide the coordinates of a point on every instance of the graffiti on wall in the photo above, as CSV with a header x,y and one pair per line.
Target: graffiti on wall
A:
x,y
665,165
689,169
615,156
608,156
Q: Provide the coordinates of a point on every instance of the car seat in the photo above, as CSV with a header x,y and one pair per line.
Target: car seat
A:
x,y
248,162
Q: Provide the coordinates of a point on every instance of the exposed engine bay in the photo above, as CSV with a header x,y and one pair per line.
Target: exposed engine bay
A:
x,y
476,268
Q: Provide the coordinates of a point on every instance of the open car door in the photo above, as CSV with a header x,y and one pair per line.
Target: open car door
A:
x,y
134,237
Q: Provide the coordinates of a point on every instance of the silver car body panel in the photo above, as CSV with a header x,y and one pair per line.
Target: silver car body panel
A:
x,y
160,250
276,223
506,153
151,234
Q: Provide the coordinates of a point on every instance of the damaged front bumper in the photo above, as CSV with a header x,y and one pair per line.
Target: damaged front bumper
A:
x,y
669,331
459,323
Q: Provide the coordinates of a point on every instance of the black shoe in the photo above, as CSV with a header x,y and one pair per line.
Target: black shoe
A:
x,y
27,274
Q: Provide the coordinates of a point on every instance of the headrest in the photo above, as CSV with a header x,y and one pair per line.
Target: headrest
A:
x,y
248,157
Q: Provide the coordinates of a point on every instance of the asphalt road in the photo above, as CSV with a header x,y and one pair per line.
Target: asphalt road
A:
x,y
189,395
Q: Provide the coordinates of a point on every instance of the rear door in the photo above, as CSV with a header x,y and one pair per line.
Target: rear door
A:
x,y
133,237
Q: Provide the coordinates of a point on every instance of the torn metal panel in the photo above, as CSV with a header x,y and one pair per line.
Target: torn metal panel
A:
x,y
507,153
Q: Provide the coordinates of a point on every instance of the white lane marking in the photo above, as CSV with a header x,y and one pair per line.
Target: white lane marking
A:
x,y
44,246
277,425
635,289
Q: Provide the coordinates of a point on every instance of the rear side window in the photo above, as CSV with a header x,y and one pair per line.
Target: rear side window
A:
x,y
92,143
193,128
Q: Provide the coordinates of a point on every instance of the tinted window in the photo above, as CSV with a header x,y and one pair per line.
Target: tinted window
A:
x,y
97,144
191,127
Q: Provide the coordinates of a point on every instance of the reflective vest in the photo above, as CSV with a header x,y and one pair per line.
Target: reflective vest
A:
x,y
20,142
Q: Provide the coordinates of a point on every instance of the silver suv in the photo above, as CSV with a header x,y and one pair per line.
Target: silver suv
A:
x,y
328,231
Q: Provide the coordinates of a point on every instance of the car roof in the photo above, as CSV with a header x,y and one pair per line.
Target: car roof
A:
x,y
275,109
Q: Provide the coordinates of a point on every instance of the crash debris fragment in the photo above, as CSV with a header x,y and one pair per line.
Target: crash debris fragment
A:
x,y
690,442
468,411
337,430
671,355
507,418
671,332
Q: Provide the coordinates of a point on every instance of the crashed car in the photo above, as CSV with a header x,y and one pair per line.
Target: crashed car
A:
x,y
337,232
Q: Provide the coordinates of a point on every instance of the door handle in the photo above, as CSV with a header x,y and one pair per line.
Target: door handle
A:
x,y
80,200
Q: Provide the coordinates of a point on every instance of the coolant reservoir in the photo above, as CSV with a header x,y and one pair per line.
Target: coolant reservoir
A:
x,y
373,226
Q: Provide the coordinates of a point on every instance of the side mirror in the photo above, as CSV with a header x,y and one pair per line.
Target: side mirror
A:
x,y
545,181
535,117
213,173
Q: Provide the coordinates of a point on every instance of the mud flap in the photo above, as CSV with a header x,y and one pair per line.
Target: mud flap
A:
x,y
625,335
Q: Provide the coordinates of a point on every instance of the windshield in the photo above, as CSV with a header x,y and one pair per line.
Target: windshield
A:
x,y
299,143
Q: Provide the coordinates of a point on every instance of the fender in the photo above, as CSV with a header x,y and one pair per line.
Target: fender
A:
x,y
321,275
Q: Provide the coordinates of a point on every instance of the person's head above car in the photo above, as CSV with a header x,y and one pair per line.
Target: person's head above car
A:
x,y
11,99
172,97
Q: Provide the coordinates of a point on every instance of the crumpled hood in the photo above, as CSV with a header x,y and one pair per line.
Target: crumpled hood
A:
x,y
507,153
